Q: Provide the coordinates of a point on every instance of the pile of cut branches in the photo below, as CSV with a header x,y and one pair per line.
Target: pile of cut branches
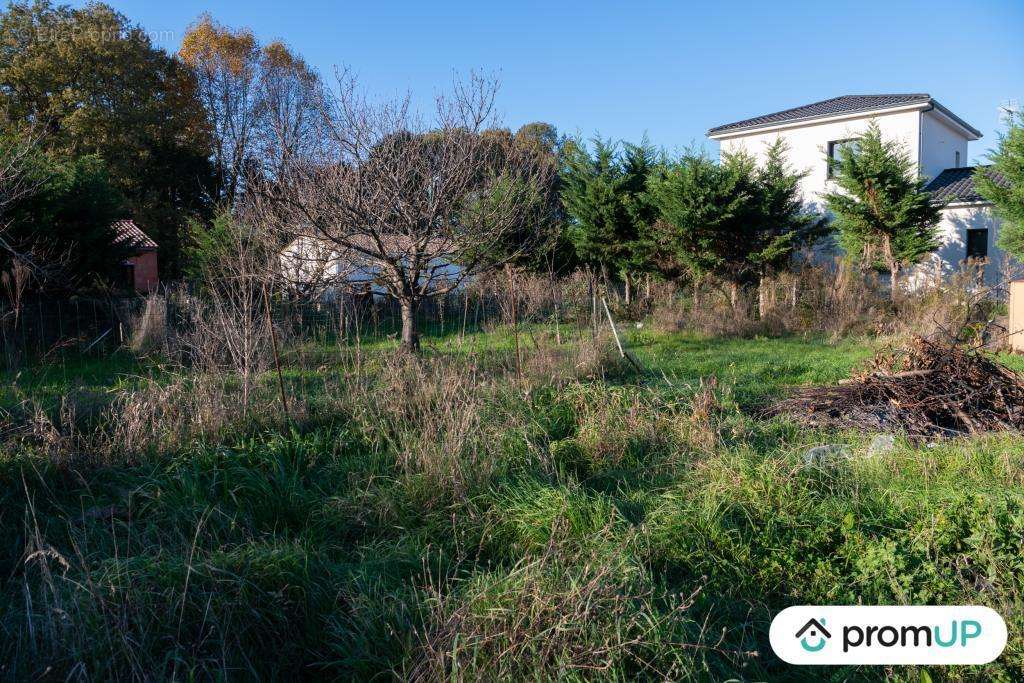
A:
x,y
925,390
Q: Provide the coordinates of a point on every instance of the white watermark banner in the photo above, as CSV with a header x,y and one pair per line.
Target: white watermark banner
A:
x,y
887,635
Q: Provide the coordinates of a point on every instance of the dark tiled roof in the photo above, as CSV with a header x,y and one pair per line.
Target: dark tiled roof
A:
x,y
957,185
131,234
846,104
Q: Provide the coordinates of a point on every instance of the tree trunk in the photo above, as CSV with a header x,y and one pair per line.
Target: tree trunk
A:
x,y
629,286
410,335
515,320
894,268
762,297
734,296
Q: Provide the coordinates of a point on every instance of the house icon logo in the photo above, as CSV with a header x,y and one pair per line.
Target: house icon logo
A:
x,y
815,631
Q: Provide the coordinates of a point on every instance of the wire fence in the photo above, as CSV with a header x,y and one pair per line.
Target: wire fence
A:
x,y
53,330
49,329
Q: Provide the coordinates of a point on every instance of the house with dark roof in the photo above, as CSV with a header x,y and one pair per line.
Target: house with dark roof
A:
x,y
140,268
934,136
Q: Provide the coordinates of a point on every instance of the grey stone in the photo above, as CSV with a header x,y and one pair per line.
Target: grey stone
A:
x,y
882,444
822,456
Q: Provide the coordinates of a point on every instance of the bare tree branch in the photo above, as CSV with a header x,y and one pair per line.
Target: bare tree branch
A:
x,y
421,206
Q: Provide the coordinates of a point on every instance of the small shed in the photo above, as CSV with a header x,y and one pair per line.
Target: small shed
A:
x,y
139,269
1016,322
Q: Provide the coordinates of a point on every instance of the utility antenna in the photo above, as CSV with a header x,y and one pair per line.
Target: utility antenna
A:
x,y
1008,110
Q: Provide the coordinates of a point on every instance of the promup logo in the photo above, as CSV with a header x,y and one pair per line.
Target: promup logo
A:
x,y
888,635
814,629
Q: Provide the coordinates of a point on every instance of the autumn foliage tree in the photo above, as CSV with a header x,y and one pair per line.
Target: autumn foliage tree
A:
x,y
262,101
225,64
93,83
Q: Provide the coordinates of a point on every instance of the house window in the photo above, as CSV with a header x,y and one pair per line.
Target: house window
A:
x,y
977,243
834,149
957,165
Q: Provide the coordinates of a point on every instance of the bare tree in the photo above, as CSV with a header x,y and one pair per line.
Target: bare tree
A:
x,y
291,97
229,326
263,102
15,181
226,65
419,206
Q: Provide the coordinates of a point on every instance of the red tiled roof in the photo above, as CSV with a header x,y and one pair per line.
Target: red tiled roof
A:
x,y
130,234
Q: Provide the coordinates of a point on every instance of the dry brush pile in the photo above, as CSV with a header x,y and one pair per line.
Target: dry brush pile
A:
x,y
926,389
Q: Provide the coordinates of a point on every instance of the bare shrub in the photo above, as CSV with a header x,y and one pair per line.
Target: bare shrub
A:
x,y
838,299
834,299
952,307
149,327
711,310
537,297
229,327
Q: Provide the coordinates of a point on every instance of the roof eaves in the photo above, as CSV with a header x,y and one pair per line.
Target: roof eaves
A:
x,y
721,131
956,119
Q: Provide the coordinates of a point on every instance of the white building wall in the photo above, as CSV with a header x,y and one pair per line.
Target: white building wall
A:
x,y
932,143
952,251
808,145
318,265
940,143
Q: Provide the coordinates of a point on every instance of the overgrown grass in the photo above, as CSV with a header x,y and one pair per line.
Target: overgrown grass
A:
x,y
442,519
47,383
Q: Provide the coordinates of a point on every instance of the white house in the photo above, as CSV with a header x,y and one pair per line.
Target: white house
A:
x,y
318,269
935,138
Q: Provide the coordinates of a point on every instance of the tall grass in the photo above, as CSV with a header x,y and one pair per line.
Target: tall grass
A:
x,y
450,518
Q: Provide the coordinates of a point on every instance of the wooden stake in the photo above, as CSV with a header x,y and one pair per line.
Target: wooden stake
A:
x,y
622,352
277,358
515,322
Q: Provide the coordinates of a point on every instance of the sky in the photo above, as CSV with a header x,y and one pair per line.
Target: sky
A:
x,y
667,70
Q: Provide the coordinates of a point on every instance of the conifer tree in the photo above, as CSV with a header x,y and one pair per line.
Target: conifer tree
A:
x,y
884,216
1002,183
604,195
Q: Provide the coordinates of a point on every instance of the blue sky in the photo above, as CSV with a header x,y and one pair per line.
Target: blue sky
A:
x,y
669,70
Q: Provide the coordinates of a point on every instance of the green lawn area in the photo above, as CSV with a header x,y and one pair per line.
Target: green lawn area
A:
x,y
48,383
437,520
758,368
